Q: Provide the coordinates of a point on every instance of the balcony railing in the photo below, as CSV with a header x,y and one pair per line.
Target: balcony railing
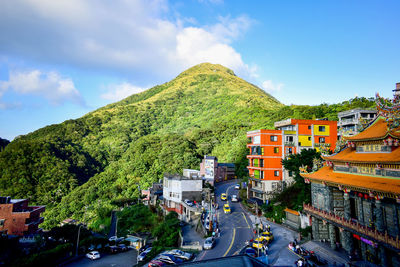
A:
x,y
383,237
322,145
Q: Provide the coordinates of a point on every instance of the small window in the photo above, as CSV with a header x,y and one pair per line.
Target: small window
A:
x,y
276,173
309,127
322,139
274,138
321,128
2,222
262,151
309,138
289,138
290,173
290,150
276,150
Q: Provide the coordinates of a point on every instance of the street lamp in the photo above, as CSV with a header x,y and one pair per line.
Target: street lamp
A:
x,y
77,240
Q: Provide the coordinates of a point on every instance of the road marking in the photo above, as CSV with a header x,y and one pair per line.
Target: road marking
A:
x,y
246,220
233,239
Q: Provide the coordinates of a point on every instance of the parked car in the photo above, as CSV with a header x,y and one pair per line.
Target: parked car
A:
x,y
237,186
180,254
227,209
267,236
113,249
209,243
143,254
115,239
234,198
145,247
189,202
169,258
156,263
224,196
93,255
122,247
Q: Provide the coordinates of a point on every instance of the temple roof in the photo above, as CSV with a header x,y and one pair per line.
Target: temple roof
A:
x,y
370,183
376,131
350,155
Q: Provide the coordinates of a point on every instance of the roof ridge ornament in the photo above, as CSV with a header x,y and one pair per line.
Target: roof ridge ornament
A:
x,y
389,109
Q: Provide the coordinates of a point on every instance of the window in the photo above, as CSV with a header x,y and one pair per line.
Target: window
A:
x,y
274,138
262,151
2,222
309,127
256,140
261,163
276,150
309,138
276,173
289,138
261,174
289,150
322,139
321,128
290,173
274,186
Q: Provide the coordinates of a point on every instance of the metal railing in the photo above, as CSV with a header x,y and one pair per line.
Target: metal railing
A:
x,y
356,226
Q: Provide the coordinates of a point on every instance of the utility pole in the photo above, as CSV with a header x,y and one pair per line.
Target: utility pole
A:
x,y
77,240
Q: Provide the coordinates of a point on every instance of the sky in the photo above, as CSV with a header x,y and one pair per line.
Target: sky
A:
x,y
62,59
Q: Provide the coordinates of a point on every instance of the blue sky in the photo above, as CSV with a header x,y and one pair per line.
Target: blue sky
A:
x,y
62,59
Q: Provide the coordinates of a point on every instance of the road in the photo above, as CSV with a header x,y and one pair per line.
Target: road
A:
x,y
123,259
235,227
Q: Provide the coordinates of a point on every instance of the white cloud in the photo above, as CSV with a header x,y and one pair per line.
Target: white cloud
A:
x,y
134,37
121,91
269,86
49,85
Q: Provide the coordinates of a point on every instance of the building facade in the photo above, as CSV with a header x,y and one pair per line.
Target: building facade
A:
x,y
267,148
350,119
356,195
176,189
213,171
17,218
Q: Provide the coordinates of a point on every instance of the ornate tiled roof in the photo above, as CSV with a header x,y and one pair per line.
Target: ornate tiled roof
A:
x,y
350,155
355,181
378,130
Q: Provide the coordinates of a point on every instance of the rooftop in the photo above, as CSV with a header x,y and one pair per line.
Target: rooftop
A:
x,y
350,155
372,183
180,177
378,130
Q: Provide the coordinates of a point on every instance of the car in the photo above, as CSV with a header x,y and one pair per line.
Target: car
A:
x,y
122,247
113,238
113,249
169,258
251,252
267,236
156,263
257,243
224,196
209,243
145,247
142,256
93,255
180,254
234,198
237,186
189,202
227,209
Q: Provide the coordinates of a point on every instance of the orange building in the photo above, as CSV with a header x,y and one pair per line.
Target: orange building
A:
x,y
268,148
356,195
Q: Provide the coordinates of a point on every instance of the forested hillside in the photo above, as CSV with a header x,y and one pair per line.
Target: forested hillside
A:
x,y
3,143
91,163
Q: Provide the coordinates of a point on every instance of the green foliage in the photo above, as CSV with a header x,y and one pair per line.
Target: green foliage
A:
x,y
167,232
95,160
3,143
45,258
135,219
303,159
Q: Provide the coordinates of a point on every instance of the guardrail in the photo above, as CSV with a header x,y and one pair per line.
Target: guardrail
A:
x,y
356,226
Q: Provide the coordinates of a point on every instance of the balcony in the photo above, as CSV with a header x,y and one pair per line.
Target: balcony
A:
x,y
322,145
355,226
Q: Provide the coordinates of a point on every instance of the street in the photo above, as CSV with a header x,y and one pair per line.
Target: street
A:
x,y
123,259
236,229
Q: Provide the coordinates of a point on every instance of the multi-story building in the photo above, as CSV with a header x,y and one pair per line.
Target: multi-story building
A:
x,y
269,147
213,171
350,119
356,195
17,218
176,189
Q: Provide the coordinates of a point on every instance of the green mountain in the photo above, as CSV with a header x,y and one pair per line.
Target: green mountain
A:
x,y
82,168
